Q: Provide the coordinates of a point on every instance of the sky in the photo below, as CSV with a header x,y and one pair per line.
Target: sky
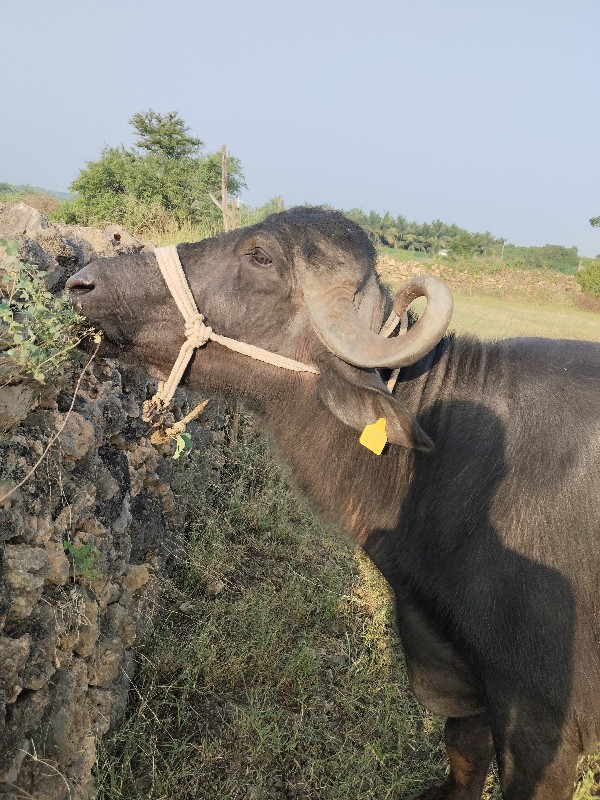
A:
x,y
482,113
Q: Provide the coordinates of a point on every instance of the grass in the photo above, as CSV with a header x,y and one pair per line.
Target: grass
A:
x,y
492,318
495,318
186,232
281,677
273,670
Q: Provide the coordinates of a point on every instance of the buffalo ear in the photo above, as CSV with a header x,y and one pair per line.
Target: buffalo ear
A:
x,y
359,397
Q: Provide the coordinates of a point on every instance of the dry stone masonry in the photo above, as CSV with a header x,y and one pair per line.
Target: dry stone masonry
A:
x,y
82,544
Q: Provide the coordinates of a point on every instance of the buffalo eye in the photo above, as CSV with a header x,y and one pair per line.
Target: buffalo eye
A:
x,y
259,257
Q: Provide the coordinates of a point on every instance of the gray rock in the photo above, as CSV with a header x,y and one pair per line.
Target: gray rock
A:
x,y
15,403
66,637
13,657
21,220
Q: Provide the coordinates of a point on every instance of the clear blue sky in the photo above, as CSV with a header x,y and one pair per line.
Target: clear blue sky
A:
x,y
486,114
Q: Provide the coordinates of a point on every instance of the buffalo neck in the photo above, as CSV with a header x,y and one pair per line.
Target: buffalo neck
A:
x,y
345,480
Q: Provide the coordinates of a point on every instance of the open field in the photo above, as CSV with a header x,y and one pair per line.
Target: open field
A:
x,y
493,318
503,303
273,670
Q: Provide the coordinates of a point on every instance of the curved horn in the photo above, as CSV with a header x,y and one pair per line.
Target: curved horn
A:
x,y
337,324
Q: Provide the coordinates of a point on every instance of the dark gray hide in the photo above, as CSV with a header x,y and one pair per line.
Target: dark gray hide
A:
x,y
491,541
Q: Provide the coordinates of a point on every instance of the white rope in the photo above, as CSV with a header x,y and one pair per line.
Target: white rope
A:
x,y
197,334
389,327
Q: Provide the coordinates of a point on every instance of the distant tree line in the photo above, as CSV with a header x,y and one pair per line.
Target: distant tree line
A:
x,y
424,237
438,238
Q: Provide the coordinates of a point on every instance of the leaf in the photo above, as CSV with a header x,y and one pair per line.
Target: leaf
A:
x,y
183,444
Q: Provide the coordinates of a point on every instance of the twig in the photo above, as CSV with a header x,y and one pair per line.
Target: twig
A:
x,y
39,760
56,435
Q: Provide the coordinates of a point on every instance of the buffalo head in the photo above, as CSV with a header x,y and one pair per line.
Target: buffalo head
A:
x,y
301,284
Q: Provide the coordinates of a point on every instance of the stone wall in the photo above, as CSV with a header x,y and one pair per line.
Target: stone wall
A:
x,y
69,619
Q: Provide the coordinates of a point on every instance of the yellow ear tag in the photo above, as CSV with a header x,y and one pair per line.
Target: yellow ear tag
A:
x,y
374,436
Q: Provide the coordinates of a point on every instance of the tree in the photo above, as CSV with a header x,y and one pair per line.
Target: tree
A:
x,y
164,134
465,244
165,181
557,257
595,221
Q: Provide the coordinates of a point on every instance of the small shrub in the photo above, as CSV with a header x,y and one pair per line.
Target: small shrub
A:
x,y
589,278
38,330
84,559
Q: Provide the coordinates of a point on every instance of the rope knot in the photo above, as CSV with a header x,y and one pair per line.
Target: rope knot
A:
x,y
196,332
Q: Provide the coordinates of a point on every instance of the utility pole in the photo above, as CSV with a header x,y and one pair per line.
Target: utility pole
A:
x,y
229,212
229,223
224,187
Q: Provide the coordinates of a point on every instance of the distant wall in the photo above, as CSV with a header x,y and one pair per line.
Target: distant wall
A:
x,y
68,632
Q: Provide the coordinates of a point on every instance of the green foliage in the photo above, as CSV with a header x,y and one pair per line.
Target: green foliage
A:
x,y
164,187
190,232
37,329
550,256
426,237
595,221
437,237
84,558
589,278
250,216
467,244
164,134
43,200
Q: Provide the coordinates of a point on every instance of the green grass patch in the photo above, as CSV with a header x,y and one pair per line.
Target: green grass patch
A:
x,y
281,677
494,318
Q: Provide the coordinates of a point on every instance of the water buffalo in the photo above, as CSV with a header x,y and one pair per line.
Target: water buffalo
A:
x,y
482,512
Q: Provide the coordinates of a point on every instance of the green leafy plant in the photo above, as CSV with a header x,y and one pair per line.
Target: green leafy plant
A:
x,y
183,445
84,559
38,330
589,278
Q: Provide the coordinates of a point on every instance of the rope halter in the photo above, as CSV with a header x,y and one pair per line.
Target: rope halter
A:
x,y
197,334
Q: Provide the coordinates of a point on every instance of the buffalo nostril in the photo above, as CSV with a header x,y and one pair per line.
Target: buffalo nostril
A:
x,y
78,286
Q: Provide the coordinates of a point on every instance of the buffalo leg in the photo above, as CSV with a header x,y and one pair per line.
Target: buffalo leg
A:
x,y
470,750
535,762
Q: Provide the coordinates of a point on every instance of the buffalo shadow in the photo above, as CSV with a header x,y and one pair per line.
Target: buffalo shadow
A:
x,y
508,616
